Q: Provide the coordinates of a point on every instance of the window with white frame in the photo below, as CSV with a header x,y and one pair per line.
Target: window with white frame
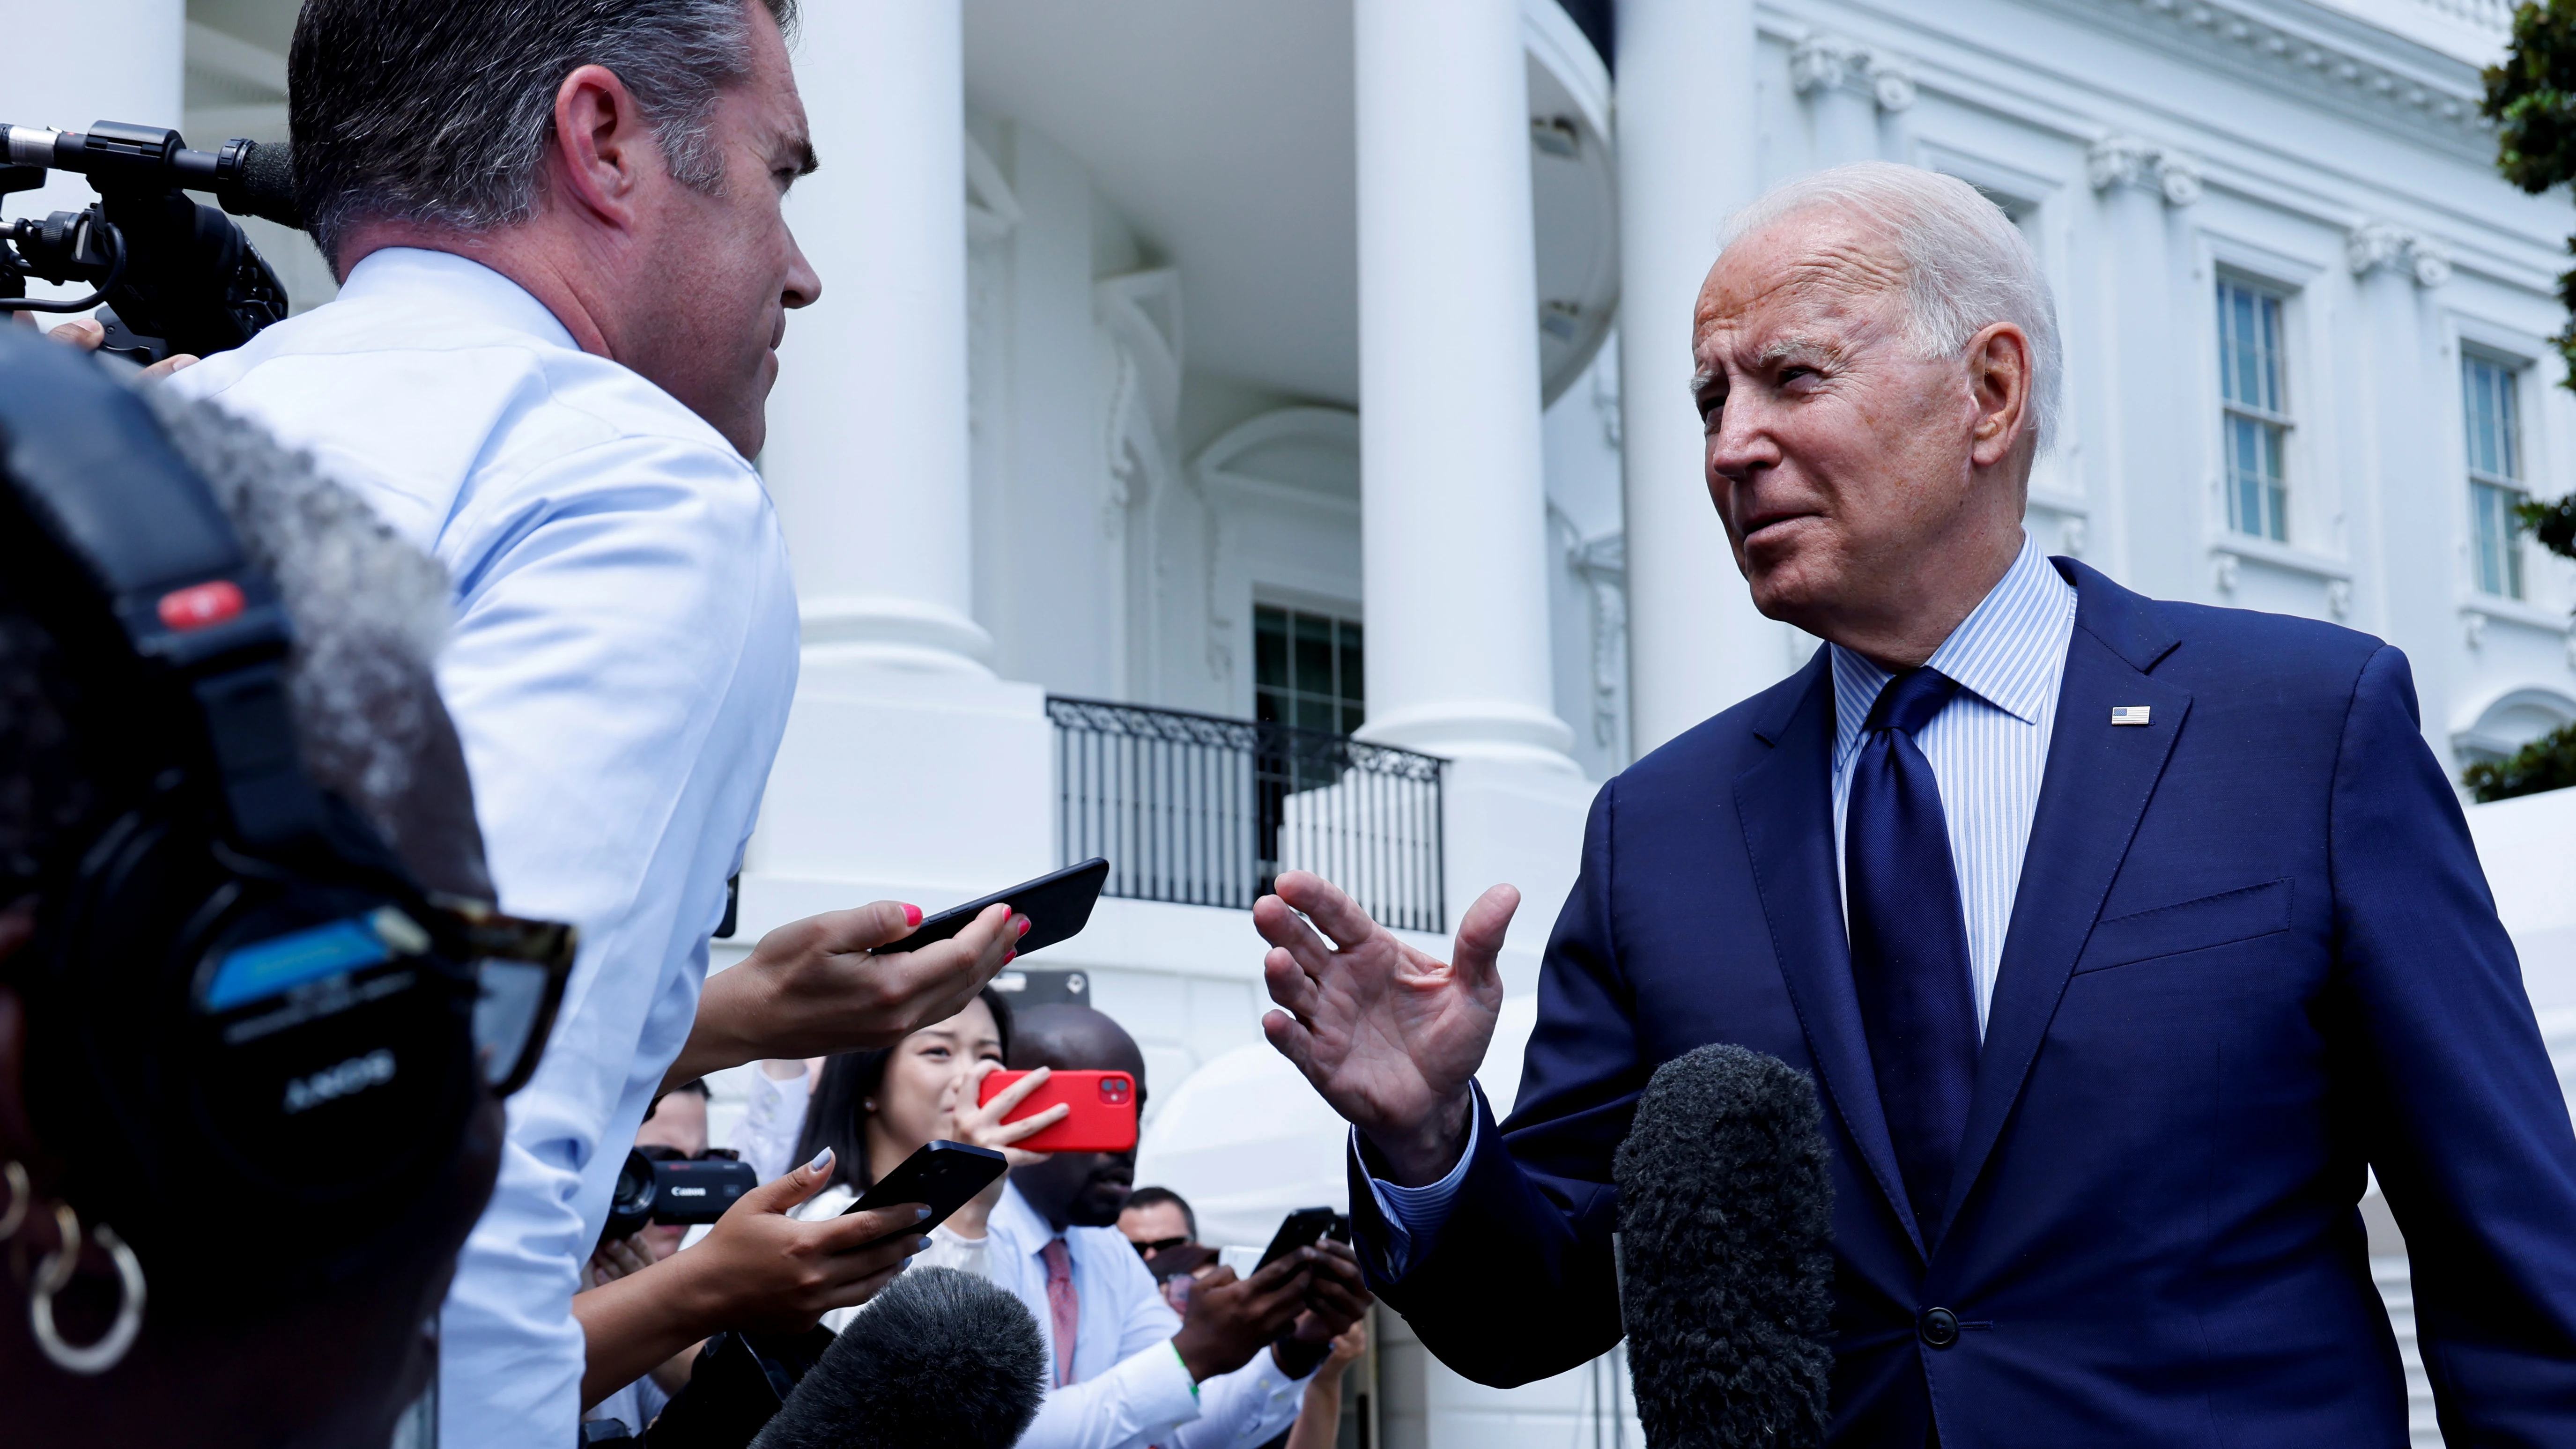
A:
x,y
2254,409
2492,421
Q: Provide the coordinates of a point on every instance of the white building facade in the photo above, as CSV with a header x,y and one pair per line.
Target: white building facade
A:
x,y
1242,435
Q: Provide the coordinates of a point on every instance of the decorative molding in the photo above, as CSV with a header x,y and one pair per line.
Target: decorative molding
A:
x,y
1605,401
2424,93
2473,628
1223,471
2223,569
1601,561
2129,161
2339,598
992,210
1823,62
2375,245
1136,319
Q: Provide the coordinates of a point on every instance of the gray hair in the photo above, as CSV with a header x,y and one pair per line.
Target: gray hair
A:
x,y
1967,266
438,112
370,614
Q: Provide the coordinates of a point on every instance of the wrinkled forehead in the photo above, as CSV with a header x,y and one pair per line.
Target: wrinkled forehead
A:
x,y
1817,271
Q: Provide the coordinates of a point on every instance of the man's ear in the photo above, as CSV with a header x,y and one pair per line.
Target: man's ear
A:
x,y
603,149
1999,383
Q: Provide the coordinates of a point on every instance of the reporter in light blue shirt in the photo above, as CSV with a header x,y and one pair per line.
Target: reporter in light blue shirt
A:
x,y
563,282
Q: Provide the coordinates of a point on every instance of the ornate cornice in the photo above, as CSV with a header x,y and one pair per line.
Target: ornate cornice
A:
x,y
2128,161
1823,62
2356,66
2377,245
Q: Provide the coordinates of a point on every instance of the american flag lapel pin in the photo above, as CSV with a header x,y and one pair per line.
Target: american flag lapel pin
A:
x,y
2135,714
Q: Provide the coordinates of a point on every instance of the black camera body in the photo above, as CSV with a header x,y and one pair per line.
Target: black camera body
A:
x,y
176,276
674,1190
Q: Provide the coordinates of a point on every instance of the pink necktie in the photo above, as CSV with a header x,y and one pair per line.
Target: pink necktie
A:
x,y
1062,1306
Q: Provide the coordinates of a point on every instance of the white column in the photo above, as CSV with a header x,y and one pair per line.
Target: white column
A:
x,y
2417,503
1687,159
1452,499
2150,376
908,771
867,438
74,85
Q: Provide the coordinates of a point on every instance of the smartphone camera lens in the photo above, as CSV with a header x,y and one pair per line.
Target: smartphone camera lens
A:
x,y
1116,1090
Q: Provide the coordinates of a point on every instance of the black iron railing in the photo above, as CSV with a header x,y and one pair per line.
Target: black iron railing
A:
x,y
1206,811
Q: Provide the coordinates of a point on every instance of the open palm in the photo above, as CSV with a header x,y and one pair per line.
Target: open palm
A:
x,y
1388,1035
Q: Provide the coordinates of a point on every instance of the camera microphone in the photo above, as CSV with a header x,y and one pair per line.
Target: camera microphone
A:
x,y
176,276
937,1357
1725,1253
247,178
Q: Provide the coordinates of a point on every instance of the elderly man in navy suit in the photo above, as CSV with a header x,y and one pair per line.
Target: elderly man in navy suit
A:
x,y
2120,937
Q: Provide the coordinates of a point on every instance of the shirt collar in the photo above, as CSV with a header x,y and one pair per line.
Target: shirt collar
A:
x,y
460,285
2002,652
1018,1224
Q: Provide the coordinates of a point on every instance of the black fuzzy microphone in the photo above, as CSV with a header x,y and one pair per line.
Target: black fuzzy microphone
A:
x,y
937,1357
1725,1253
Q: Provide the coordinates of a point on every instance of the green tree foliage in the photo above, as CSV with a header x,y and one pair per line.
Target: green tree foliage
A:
x,y
2532,99
2547,763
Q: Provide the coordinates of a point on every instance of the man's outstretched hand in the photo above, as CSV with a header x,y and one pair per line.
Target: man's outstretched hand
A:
x,y
1389,1036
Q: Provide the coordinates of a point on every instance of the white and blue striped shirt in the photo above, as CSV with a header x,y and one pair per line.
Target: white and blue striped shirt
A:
x,y
1988,749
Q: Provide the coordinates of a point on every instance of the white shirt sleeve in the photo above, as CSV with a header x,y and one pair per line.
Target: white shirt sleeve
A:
x,y
766,1135
1245,1408
619,679
1138,1402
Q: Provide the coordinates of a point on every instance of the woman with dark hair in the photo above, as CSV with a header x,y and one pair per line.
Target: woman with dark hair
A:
x,y
873,1109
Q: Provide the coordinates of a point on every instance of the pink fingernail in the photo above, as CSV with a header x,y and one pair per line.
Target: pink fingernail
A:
x,y
912,915
1007,955
1024,925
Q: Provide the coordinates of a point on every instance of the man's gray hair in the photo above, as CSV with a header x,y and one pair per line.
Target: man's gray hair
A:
x,y
438,112
1967,266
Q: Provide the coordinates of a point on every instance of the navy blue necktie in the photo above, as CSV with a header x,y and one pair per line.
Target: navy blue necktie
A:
x,y
1909,940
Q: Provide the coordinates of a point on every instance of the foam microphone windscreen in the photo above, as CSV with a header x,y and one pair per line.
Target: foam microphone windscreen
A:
x,y
937,1357
1725,1251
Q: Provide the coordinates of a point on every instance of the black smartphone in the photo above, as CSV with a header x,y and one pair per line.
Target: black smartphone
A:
x,y
1057,904
1301,1229
943,1175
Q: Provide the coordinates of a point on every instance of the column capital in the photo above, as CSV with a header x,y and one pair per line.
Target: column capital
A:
x,y
1825,62
2129,161
2380,245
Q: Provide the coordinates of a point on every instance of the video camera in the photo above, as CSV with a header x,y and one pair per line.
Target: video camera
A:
x,y
658,1186
175,276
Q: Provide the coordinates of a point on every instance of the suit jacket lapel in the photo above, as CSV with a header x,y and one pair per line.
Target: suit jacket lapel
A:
x,y
2094,793
1786,804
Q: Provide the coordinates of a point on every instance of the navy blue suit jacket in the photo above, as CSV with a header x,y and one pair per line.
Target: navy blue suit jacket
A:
x,y
2251,953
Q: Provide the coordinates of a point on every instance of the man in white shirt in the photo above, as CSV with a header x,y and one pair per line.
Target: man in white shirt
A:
x,y
564,275
1133,1373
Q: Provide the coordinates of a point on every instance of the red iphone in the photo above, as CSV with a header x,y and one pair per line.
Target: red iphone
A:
x,y
1103,1118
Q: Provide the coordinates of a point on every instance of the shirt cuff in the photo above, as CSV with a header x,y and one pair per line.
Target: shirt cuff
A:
x,y
1414,1214
1164,1392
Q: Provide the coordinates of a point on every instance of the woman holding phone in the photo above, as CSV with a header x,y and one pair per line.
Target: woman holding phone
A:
x,y
876,1108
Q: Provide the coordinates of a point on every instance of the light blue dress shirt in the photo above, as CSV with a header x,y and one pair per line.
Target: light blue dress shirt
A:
x,y
1989,750
1129,1389
623,656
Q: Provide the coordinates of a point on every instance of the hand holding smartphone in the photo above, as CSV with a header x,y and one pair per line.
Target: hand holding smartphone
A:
x,y
1058,905
944,1176
1100,1111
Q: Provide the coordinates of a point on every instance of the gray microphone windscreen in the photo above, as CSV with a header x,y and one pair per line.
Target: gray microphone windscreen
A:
x,y
1725,1236
937,1357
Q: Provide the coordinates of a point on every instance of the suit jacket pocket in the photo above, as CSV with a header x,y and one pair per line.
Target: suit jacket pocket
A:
x,y
2196,925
